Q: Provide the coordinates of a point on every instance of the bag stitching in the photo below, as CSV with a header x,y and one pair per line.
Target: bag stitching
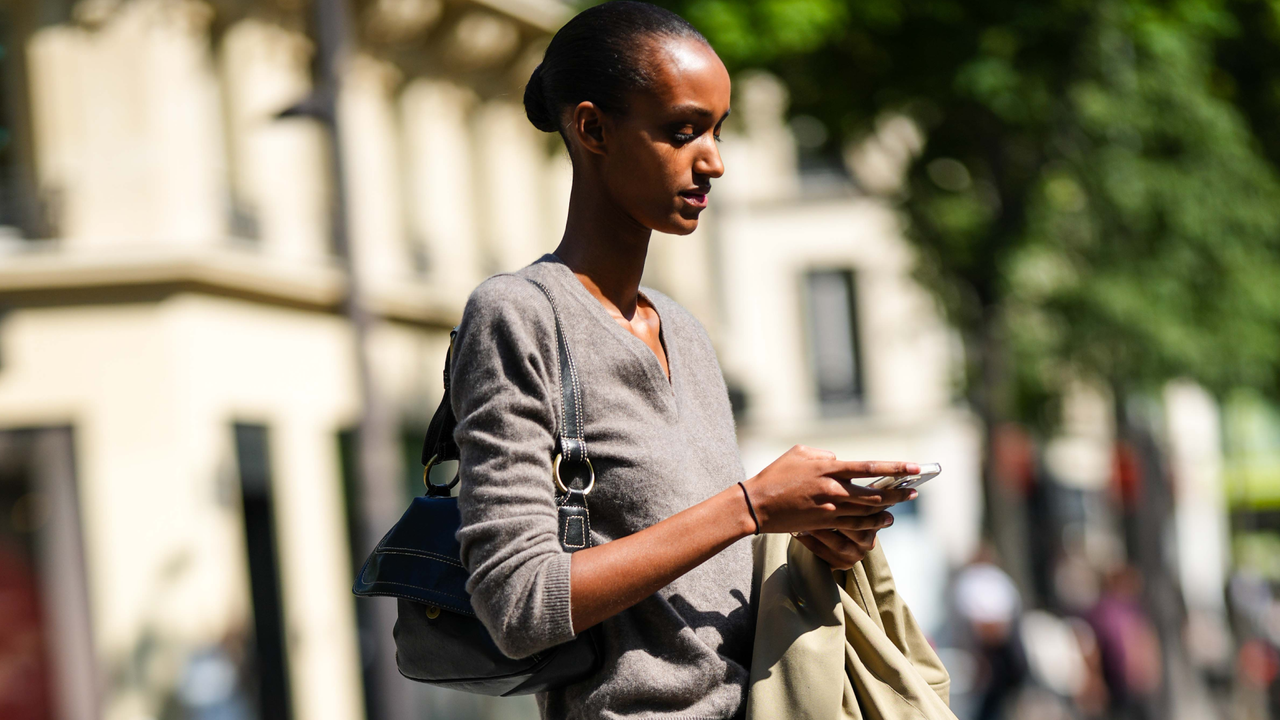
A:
x,y
420,589
565,540
573,370
555,319
420,553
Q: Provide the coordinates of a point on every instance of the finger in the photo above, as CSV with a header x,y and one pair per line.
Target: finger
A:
x,y
845,551
878,521
899,495
863,538
823,552
860,523
851,492
854,510
835,541
848,469
818,454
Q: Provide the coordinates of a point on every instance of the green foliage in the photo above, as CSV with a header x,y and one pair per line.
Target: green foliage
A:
x,y
1249,62
1088,184
1164,217
767,28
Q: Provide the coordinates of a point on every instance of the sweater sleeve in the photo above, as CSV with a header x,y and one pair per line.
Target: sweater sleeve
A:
x,y
504,397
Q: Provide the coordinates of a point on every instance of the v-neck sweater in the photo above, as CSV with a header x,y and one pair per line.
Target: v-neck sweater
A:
x,y
658,445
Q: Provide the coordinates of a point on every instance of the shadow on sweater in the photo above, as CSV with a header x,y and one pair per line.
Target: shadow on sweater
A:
x,y
722,622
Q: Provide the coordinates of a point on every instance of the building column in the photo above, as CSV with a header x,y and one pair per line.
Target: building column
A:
x,y
440,182
511,159
279,187
129,138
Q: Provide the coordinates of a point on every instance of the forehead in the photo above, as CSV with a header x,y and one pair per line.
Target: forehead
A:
x,y
687,72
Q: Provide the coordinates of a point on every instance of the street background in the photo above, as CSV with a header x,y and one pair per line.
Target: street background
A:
x,y
1037,242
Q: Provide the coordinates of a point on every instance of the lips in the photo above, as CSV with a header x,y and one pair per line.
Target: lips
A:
x,y
696,198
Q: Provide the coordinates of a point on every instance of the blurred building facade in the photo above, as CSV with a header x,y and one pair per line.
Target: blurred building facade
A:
x,y
178,383
177,375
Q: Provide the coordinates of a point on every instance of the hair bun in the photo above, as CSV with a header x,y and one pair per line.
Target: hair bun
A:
x,y
535,103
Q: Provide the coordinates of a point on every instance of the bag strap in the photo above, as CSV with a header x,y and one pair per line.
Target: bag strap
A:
x,y
571,443
438,446
570,459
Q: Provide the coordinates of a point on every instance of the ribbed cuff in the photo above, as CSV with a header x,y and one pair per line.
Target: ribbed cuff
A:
x,y
559,612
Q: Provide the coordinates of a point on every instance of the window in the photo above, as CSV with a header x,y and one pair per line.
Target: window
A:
x,y
373,635
269,664
832,324
22,213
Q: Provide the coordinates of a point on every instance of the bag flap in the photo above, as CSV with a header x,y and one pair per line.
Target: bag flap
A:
x,y
418,559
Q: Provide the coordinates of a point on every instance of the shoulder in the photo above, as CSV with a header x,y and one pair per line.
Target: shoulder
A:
x,y
517,292
507,312
503,290
508,297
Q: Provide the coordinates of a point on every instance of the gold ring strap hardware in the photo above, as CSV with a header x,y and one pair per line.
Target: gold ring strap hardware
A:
x,y
426,476
426,471
555,473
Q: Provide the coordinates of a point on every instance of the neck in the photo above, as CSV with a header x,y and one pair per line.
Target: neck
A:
x,y
605,248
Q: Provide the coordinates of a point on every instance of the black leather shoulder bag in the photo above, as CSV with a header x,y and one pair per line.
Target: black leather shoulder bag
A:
x,y
438,638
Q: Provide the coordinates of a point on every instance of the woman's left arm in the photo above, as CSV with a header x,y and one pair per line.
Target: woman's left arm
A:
x,y
804,490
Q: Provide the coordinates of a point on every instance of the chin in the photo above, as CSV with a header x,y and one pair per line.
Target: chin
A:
x,y
682,229
679,225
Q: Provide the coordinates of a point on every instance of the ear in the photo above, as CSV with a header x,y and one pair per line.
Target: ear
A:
x,y
588,127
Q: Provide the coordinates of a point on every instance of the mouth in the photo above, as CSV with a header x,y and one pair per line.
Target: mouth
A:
x,y
697,197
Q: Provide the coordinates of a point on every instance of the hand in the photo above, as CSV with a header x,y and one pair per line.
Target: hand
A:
x,y
842,549
809,490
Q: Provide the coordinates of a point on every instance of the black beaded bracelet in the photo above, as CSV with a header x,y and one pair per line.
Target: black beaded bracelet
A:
x,y
750,508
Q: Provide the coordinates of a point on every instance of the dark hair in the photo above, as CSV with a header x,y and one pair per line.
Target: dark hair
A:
x,y
595,58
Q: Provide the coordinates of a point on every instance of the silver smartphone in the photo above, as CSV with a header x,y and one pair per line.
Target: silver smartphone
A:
x,y
928,472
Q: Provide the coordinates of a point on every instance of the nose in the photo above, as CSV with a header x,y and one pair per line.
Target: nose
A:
x,y
708,162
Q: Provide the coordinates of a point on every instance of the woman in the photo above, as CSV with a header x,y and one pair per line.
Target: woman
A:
x,y
639,98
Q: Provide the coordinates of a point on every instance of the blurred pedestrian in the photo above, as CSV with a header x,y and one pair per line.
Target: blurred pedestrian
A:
x,y
1255,615
1129,646
989,602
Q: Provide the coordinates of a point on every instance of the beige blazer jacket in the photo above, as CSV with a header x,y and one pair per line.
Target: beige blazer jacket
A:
x,y
838,645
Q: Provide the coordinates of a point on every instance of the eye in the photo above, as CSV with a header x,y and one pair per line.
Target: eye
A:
x,y
683,138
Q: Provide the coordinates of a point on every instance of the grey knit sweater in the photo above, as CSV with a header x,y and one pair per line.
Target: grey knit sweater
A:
x,y
657,446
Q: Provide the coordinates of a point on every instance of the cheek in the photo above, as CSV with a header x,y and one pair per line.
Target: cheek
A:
x,y
647,178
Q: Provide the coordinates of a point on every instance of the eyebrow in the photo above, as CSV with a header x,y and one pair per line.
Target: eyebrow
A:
x,y
698,110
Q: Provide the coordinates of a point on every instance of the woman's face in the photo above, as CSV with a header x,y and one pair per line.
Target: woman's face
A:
x,y
661,154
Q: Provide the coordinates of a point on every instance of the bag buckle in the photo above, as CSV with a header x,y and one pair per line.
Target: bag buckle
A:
x,y
432,488
555,473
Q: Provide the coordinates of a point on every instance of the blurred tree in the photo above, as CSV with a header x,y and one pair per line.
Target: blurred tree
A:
x,y
1153,236
1250,61
1153,244
1087,204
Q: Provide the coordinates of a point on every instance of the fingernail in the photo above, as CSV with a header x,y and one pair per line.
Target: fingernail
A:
x,y
913,495
888,521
